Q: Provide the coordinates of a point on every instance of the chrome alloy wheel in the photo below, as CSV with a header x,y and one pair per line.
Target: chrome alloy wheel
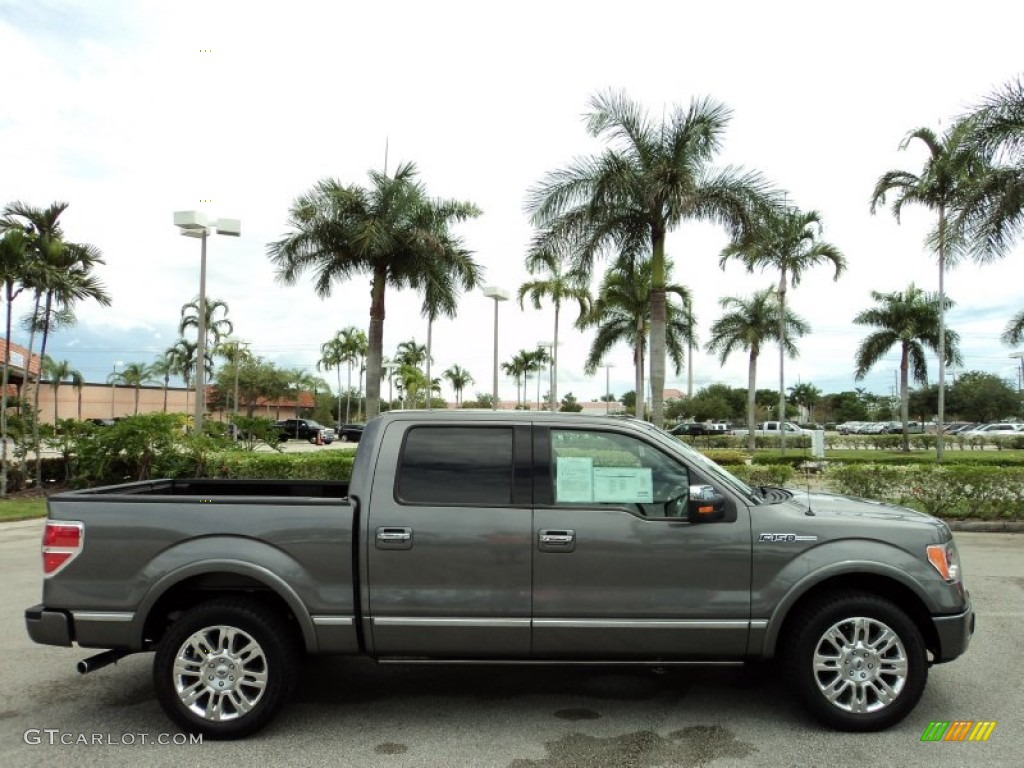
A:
x,y
220,673
860,665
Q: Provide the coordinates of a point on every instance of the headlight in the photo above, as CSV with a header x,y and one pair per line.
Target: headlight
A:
x,y
946,561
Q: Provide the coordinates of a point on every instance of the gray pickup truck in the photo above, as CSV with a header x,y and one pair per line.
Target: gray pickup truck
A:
x,y
501,537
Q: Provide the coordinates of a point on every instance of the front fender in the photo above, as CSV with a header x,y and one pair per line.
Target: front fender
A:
x,y
816,565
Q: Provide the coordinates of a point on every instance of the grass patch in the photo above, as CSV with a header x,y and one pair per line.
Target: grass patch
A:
x,y
22,509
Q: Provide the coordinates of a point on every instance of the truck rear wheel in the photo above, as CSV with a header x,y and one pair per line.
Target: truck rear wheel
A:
x,y
858,662
225,668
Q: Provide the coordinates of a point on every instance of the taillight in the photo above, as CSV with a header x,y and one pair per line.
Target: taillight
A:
x,y
62,542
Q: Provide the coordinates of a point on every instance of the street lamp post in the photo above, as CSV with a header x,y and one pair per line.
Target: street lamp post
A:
x,y
1020,378
390,369
499,295
197,224
607,388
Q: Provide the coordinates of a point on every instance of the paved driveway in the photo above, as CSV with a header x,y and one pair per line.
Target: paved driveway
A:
x,y
353,713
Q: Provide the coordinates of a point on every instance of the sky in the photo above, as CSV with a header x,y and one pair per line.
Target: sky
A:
x,y
129,111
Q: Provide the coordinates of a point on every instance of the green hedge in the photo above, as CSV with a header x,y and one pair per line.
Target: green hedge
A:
x,y
770,474
319,465
951,491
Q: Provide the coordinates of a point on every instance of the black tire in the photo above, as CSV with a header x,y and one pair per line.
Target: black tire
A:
x,y
251,670
872,666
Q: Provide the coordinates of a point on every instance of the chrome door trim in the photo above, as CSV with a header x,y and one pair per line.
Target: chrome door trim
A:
x,y
417,621
333,621
742,624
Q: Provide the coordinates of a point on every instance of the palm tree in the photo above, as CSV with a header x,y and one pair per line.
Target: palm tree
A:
x,y
805,396
536,359
622,313
133,375
57,372
411,381
1014,333
992,218
61,276
515,369
787,240
440,293
14,253
650,179
182,357
559,284
748,324
163,368
945,185
910,319
460,379
391,230
216,328
347,347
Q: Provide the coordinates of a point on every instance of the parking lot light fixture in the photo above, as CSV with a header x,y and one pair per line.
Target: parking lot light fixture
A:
x,y
499,295
198,224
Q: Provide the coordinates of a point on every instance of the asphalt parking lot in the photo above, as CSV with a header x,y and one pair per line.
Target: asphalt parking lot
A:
x,y
354,713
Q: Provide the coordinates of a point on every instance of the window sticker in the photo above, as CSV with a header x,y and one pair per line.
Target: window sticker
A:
x,y
575,479
625,484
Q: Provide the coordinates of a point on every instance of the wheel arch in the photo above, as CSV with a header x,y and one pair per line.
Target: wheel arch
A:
x,y
199,582
879,584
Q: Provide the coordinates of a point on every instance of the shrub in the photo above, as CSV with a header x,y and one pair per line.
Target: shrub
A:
x,y
764,474
321,465
952,491
727,458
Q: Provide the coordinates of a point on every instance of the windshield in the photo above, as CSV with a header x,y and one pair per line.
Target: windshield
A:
x,y
718,472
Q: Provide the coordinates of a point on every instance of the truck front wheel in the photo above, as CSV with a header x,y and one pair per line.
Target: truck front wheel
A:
x,y
858,661
225,668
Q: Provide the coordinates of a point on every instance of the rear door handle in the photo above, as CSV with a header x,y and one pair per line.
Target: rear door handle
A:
x,y
552,540
394,538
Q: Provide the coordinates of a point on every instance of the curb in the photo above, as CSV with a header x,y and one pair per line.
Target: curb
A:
x,y
986,526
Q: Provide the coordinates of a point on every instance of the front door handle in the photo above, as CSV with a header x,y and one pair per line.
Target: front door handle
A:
x,y
552,540
394,538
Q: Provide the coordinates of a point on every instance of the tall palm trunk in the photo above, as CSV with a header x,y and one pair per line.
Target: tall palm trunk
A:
x,y
375,342
658,324
35,395
3,393
554,365
430,392
56,400
638,361
939,423
752,396
167,381
782,362
905,393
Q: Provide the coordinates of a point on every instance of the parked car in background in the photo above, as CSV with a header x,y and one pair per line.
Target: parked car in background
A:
x,y
771,429
693,429
896,428
305,429
350,433
997,429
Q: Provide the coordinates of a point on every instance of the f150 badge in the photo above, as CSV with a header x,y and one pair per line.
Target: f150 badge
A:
x,y
786,537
